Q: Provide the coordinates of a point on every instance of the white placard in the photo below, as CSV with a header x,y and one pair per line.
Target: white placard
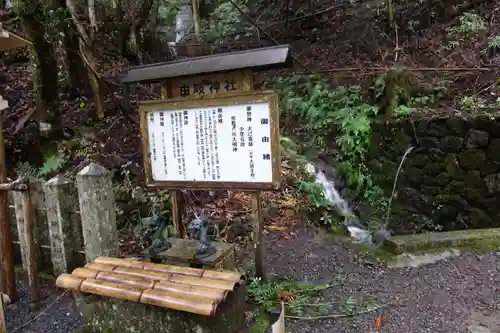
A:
x,y
218,143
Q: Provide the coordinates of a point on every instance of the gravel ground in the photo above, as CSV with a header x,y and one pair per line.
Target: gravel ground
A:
x,y
446,296
59,318
439,297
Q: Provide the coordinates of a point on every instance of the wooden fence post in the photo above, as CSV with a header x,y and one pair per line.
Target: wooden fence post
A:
x,y
37,199
98,212
3,328
64,224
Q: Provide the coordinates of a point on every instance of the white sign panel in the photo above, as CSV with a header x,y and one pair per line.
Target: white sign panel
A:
x,y
218,143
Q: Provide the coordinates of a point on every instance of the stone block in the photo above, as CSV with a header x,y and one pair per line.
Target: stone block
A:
x,y
104,315
182,252
437,240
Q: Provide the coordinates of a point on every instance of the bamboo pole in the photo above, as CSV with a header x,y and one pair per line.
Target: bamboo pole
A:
x,y
167,299
119,262
156,276
132,281
207,292
101,267
111,290
173,269
30,248
111,264
195,281
7,274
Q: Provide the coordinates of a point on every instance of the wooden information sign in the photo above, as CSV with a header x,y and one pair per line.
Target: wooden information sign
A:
x,y
211,130
227,142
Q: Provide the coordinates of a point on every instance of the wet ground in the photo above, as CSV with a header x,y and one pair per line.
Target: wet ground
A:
x,y
60,317
456,294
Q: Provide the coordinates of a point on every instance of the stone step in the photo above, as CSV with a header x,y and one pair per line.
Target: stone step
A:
x,y
481,238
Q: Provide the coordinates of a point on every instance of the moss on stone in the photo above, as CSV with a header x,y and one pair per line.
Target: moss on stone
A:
x,y
474,238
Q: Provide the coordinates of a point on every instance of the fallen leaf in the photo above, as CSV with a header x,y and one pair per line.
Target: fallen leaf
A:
x,y
275,228
379,322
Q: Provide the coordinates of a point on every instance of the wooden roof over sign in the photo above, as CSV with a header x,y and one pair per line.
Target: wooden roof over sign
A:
x,y
9,40
262,58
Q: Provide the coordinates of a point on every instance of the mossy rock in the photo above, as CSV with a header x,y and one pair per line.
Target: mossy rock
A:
x,y
473,238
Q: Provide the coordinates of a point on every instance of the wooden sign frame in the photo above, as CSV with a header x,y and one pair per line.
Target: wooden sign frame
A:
x,y
237,98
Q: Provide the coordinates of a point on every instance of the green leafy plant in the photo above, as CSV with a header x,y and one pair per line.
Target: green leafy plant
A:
x,y
269,294
469,23
324,111
472,103
51,164
224,21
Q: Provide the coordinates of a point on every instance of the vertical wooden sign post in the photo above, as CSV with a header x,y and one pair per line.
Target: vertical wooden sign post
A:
x,y
3,328
8,41
213,131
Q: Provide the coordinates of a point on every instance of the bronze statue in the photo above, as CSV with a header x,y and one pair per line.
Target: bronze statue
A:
x,y
198,229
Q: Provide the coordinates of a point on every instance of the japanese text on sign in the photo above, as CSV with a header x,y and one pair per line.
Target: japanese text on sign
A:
x,y
221,143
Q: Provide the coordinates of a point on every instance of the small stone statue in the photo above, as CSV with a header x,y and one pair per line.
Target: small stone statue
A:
x,y
159,231
198,229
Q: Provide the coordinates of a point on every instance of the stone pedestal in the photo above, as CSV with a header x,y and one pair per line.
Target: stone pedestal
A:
x,y
182,253
104,315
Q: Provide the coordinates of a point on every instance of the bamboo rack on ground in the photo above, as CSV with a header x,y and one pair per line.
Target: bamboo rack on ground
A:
x,y
193,290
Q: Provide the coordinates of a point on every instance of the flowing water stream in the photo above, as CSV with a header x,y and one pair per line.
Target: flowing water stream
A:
x,y
358,230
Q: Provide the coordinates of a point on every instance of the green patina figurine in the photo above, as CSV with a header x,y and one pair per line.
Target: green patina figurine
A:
x,y
158,230
198,229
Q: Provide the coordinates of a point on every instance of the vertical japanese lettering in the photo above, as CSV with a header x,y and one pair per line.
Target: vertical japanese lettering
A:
x,y
151,117
178,142
197,128
206,131
242,136
219,116
233,126
252,164
183,157
202,144
249,114
162,119
250,136
186,118
172,122
153,146
216,145
164,151
264,121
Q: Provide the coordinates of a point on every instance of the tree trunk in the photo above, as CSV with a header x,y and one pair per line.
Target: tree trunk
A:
x,y
195,5
86,47
153,18
75,67
134,31
74,63
95,80
44,65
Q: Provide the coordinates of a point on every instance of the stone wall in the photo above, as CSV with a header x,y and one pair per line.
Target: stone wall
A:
x,y
451,179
